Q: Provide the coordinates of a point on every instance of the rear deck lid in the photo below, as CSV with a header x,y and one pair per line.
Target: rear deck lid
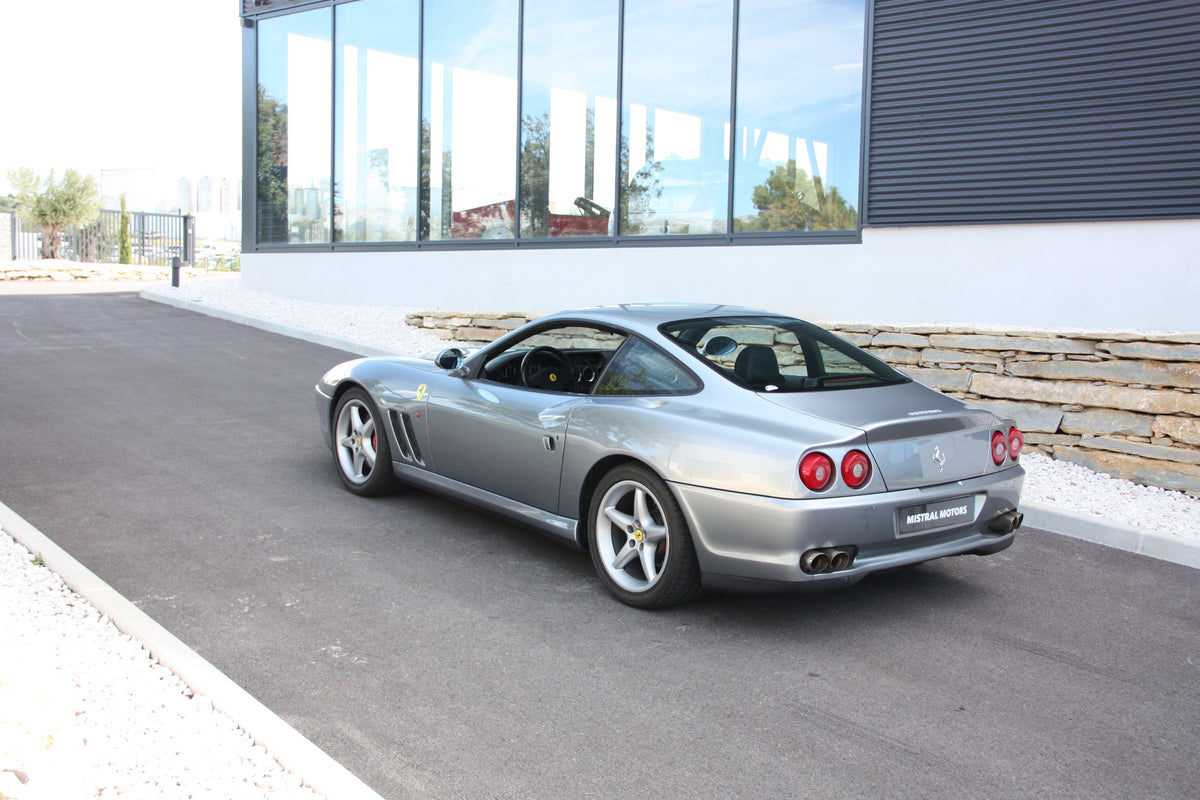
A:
x,y
916,436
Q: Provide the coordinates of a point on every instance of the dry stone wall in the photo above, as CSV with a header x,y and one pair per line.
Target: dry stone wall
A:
x,y
1122,403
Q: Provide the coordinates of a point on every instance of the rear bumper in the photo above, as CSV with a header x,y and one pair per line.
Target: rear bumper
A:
x,y
746,542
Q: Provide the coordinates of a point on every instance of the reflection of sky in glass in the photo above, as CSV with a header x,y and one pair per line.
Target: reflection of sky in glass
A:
x,y
471,103
570,66
677,55
474,35
569,46
376,128
273,46
800,90
799,95
676,94
294,53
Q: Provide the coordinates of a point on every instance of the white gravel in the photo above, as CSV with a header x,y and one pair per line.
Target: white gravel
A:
x,y
85,711
1074,488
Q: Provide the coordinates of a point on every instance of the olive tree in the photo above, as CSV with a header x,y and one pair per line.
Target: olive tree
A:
x,y
54,204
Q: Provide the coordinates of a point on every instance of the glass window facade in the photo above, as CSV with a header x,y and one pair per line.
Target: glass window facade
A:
x,y
294,130
569,118
799,111
675,117
376,194
469,120
406,121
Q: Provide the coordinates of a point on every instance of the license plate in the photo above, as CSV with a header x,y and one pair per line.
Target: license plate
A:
x,y
943,513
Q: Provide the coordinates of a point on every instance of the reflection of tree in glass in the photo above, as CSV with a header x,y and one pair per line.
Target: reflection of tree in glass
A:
x,y
272,168
791,200
639,191
426,187
536,217
535,172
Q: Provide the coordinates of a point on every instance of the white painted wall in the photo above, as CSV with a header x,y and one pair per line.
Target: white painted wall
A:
x,y
1085,276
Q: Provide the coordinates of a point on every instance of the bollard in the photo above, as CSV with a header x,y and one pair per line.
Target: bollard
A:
x,y
176,263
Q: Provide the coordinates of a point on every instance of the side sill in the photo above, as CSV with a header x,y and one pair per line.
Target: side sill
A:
x,y
562,529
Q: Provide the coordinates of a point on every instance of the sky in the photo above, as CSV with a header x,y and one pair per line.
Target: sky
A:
x,y
122,84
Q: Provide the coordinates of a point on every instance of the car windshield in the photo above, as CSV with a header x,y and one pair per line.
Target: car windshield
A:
x,y
779,354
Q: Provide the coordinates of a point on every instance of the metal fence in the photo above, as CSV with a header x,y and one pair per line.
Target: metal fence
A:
x,y
154,239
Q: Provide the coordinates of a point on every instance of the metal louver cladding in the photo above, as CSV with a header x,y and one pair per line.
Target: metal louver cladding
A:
x,y
996,111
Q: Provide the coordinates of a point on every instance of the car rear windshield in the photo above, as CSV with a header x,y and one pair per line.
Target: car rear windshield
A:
x,y
779,354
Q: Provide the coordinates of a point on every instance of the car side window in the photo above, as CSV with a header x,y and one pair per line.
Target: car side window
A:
x,y
560,358
779,354
639,369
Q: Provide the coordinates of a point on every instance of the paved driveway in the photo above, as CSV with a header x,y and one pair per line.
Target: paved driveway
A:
x,y
438,652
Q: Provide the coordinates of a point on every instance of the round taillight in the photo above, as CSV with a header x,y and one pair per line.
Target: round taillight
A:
x,y
816,471
1016,440
999,448
856,469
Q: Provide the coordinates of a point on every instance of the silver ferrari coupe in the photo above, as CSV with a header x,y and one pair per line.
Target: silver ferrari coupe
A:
x,y
687,447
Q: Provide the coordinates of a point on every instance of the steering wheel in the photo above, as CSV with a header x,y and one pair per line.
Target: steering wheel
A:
x,y
535,358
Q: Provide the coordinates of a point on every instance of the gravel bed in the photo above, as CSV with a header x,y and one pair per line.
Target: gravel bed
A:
x,y
86,712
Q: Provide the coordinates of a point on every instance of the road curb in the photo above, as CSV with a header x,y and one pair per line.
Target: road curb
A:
x,y
285,744
160,294
1121,537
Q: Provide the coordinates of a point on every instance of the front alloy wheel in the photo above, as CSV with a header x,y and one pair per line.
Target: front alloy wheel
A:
x,y
360,445
639,540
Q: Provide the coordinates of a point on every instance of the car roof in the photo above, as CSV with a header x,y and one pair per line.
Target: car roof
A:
x,y
646,317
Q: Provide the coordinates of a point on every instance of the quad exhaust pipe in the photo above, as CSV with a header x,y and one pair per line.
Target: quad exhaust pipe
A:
x,y
1007,521
826,559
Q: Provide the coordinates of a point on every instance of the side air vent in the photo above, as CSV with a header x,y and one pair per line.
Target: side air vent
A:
x,y
406,438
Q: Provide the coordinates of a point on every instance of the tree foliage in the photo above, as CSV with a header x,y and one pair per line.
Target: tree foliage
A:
x,y
535,174
792,200
54,204
272,159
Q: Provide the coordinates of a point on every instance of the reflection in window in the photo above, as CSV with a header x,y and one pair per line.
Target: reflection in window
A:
x,y
569,117
675,120
642,370
376,196
469,120
294,90
798,115
663,169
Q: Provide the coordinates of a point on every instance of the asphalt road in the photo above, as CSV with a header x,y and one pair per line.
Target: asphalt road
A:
x,y
438,652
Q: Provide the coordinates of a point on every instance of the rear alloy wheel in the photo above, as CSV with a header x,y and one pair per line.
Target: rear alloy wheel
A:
x,y
639,540
360,445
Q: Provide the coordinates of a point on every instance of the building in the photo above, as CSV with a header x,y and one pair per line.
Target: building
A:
x,y
1028,167
997,162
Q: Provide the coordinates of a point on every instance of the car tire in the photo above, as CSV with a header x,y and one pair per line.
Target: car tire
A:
x,y
639,540
360,445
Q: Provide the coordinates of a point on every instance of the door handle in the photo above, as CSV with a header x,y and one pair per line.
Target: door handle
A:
x,y
548,443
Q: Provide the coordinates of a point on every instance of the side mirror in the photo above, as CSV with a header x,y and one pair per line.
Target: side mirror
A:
x,y
720,346
449,359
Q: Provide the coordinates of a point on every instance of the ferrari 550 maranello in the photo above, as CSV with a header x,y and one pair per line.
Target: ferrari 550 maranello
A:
x,y
687,447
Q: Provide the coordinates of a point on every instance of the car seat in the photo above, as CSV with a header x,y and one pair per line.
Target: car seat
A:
x,y
757,366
